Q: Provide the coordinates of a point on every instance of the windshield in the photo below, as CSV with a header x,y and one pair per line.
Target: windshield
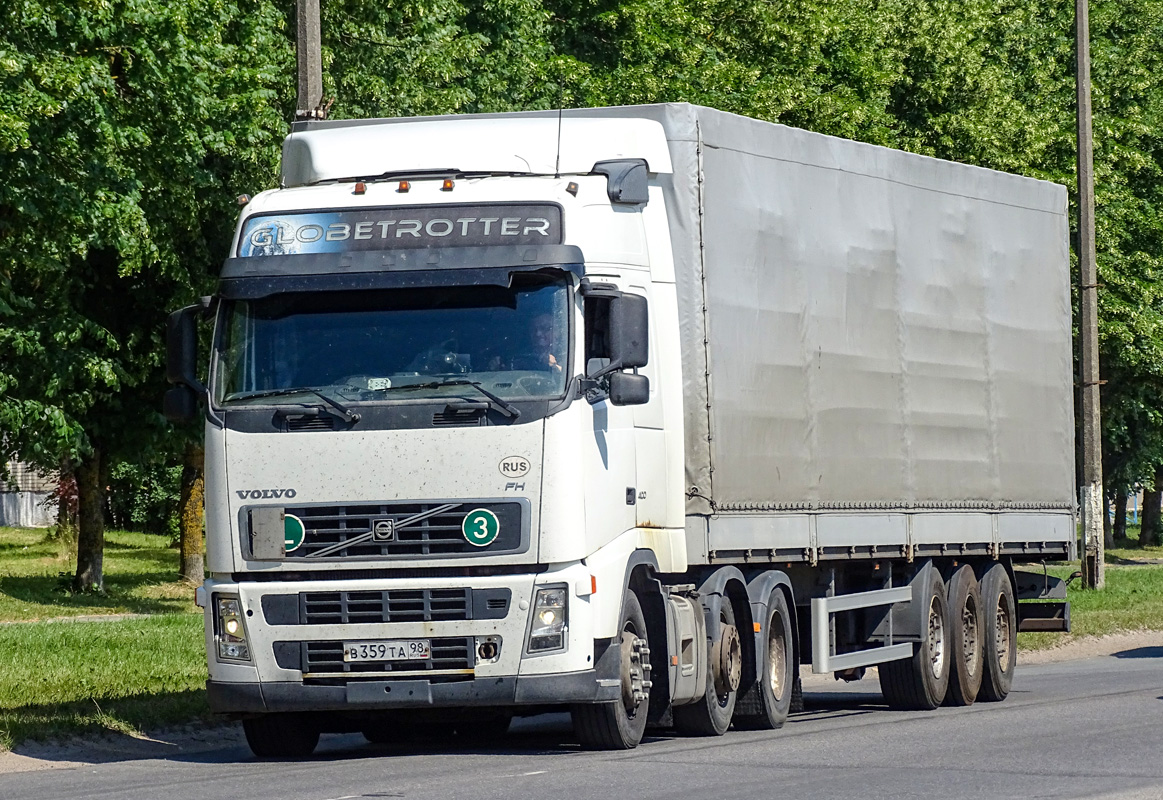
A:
x,y
396,344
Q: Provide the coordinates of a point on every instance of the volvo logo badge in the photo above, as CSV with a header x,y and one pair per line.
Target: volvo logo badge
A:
x,y
384,530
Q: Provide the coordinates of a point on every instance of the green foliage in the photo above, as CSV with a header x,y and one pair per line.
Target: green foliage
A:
x,y
124,130
127,125
145,497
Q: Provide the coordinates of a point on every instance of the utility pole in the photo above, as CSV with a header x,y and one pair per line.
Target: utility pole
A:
x,y
1092,499
308,49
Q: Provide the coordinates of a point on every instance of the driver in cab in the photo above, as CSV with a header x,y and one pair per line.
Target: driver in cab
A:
x,y
543,350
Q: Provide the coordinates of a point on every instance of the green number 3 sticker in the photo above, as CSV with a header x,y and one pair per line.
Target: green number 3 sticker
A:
x,y
480,527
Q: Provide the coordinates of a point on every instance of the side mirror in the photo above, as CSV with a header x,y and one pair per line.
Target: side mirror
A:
x,y
629,327
629,389
182,348
180,404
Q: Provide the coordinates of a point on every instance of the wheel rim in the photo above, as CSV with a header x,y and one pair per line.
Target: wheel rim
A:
x,y
727,657
936,639
1002,635
970,635
776,656
635,669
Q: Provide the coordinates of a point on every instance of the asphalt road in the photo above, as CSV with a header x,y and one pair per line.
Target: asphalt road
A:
x,y
1087,728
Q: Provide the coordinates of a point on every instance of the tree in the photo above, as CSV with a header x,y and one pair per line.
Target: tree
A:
x,y
124,129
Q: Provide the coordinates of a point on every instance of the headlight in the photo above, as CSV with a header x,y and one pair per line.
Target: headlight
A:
x,y
231,629
550,615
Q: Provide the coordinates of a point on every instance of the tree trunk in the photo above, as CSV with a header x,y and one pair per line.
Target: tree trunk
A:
x,y
66,505
1150,533
191,516
1108,531
1120,526
91,525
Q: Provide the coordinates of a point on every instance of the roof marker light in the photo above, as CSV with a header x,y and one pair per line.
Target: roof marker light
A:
x,y
243,199
571,187
404,186
447,186
360,187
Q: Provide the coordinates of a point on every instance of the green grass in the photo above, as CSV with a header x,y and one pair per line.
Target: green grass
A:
x,y
1131,601
140,577
78,678
69,677
1128,551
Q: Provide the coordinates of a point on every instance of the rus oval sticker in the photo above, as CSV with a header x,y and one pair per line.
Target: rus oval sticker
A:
x,y
514,466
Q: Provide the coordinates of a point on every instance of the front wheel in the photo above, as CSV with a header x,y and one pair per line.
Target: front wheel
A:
x,y
619,725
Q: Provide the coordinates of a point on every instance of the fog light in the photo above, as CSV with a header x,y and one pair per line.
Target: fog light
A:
x,y
549,620
234,651
488,649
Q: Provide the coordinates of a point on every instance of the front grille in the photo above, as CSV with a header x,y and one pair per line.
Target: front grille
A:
x,y
416,530
447,654
388,605
393,605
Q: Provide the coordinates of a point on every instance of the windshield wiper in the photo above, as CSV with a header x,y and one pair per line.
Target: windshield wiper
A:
x,y
506,408
348,414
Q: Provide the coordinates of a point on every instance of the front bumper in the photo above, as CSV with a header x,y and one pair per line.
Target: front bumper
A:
x,y
285,676
590,686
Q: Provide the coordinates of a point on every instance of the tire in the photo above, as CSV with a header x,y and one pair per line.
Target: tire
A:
x,y
967,660
619,725
281,735
920,682
711,714
772,693
1000,626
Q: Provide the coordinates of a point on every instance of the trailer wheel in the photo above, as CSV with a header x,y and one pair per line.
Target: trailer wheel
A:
x,y
711,714
773,690
281,735
920,682
1001,633
619,725
965,634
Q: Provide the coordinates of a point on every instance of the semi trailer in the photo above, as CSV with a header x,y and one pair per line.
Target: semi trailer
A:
x,y
626,411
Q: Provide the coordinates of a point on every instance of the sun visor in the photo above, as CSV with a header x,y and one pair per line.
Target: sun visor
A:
x,y
522,144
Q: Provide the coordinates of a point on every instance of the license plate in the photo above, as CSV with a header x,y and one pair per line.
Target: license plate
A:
x,y
387,650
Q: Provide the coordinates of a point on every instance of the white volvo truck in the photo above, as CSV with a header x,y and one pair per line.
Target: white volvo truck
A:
x,y
629,411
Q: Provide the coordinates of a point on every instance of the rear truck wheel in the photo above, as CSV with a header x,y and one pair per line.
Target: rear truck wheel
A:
x,y
920,682
281,735
711,714
1000,627
769,701
966,649
619,725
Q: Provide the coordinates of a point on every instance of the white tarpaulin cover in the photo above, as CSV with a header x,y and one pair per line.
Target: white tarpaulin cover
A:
x,y
884,330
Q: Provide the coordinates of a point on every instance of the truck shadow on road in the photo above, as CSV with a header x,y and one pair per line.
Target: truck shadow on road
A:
x,y
1141,652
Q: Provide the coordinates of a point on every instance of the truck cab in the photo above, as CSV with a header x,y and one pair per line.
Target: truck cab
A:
x,y
436,429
